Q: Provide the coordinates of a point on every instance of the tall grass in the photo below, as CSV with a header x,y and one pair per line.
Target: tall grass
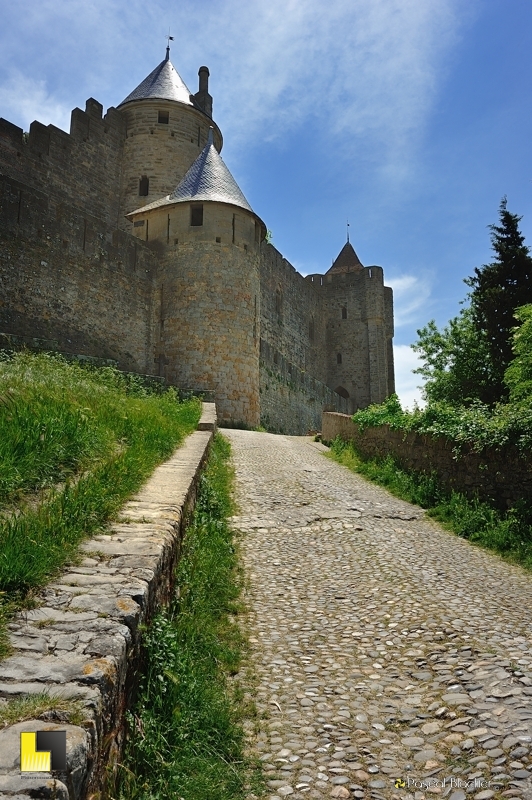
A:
x,y
185,740
74,444
508,533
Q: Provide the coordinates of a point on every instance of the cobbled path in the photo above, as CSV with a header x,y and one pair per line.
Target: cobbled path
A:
x,y
385,647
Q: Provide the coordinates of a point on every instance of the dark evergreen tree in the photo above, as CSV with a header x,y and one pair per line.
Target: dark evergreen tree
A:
x,y
497,290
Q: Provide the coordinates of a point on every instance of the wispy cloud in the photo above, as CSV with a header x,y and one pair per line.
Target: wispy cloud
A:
x,y
24,100
406,383
364,69
411,295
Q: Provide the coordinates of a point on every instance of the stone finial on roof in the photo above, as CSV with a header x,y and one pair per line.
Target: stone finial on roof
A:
x,y
346,260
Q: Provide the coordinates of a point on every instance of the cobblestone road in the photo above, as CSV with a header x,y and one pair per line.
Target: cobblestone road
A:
x,y
385,647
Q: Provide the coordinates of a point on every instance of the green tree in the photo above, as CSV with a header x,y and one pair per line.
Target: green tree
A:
x,y
518,376
456,368
497,290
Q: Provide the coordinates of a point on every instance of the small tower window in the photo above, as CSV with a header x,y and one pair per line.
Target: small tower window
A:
x,y
344,312
164,117
196,215
338,358
144,186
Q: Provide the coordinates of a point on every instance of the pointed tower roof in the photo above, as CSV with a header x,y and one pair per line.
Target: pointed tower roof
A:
x,y
346,260
164,83
208,179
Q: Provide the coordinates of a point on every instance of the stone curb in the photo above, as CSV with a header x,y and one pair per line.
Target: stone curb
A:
x,y
83,641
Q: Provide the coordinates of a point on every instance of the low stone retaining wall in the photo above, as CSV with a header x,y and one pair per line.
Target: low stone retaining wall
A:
x,y
502,476
82,642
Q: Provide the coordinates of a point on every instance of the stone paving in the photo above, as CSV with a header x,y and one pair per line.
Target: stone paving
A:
x,y
386,649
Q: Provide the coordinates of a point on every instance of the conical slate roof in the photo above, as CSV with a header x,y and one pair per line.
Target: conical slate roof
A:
x,y
347,260
207,179
164,83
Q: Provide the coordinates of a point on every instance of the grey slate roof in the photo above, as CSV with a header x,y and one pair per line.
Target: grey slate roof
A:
x,y
207,179
164,83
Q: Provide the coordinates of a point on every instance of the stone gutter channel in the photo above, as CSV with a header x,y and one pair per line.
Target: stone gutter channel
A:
x,y
82,642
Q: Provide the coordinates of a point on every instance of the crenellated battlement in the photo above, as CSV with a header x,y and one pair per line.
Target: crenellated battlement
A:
x,y
372,273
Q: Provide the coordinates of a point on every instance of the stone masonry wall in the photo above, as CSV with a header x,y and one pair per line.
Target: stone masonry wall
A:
x,y
292,402
292,322
359,313
503,476
162,152
68,278
208,305
81,168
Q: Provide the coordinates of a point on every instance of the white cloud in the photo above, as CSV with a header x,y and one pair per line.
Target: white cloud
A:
x,y
411,294
24,100
406,383
367,69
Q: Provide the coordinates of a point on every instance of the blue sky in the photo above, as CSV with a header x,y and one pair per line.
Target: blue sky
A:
x,y
411,118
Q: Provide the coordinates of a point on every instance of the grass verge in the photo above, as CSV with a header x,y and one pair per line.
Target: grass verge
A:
x,y
185,736
508,533
74,445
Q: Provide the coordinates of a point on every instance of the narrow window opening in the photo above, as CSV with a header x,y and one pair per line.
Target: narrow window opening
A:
x,y
234,223
144,186
168,230
338,358
164,117
196,215
344,313
218,239
278,302
147,223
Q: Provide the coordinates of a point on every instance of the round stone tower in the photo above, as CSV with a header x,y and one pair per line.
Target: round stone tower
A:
x,y
167,127
208,316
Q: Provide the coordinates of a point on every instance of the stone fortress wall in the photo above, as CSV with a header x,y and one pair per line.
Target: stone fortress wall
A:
x,y
68,278
207,307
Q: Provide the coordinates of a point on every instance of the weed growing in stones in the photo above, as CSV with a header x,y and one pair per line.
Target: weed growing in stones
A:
x,y
185,738
508,533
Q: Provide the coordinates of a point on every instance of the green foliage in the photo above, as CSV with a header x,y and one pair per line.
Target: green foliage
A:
x,y
477,425
466,361
499,289
457,369
518,376
92,431
185,740
508,533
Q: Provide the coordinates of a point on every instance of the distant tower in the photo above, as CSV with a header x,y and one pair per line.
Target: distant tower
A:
x,y
359,312
208,317
167,127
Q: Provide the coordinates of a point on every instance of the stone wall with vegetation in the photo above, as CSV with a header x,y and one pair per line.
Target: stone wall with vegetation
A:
x,y
82,640
501,475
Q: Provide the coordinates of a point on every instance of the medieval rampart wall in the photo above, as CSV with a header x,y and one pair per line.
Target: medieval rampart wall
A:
x,y
81,168
69,278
